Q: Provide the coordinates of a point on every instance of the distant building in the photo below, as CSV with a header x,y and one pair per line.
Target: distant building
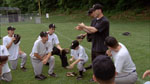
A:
x,y
9,14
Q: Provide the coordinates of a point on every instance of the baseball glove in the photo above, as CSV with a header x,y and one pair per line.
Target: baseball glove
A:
x,y
18,37
65,51
126,33
89,37
80,37
71,74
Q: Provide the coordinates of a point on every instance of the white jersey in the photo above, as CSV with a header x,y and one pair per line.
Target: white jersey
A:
x,y
79,54
4,52
41,48
122,60
13,50
52,38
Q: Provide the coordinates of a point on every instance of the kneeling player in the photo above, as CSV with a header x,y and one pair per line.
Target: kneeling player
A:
x,y
79,55
41,54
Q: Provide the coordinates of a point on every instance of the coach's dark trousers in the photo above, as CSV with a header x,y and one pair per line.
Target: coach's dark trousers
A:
x,y
94,55
62,56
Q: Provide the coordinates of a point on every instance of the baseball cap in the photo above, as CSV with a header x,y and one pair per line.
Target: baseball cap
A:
x,y
11,28
97,6
90,11
43,34
75,43
52,26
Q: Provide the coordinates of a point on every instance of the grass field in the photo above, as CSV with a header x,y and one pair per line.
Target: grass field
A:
x,y
138,44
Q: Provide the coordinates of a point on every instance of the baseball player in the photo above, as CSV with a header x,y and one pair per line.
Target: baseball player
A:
x,y
125,67
104,70
14,50
79,55
57,50
41,54
5,72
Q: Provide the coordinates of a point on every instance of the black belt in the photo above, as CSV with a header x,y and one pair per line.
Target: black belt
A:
x,y
134,71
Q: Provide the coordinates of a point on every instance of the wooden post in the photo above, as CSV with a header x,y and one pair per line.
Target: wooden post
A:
x,y
39,8
0,31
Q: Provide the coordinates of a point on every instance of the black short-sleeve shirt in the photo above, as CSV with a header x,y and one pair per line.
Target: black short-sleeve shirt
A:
x,y
98,38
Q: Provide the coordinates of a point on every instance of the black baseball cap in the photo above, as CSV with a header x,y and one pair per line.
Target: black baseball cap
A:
x,y
52,26
74,44
43,34
11,28
97,6
90,11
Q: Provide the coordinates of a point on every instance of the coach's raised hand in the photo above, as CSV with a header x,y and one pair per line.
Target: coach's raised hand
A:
x,y
80,26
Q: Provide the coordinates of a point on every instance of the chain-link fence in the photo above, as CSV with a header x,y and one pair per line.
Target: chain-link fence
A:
x,y
27,18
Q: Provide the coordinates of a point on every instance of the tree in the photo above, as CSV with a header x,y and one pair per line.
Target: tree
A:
x,y
24,5
48,5
3,3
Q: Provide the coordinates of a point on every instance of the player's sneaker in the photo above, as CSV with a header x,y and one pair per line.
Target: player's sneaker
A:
x,y
53,75
79,77
23,69
38,77
43,76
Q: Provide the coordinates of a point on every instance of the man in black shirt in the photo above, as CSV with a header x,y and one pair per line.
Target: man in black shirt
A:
x,y
98,31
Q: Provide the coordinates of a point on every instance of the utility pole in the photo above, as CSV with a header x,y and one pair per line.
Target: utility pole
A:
x,y
0,31
39,8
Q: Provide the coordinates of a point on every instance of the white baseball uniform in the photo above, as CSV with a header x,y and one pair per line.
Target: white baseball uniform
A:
x,y
80,54
54,40
42,50
14,53
6,72
125,68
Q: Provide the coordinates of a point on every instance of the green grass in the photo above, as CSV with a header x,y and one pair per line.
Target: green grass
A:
x,y
138,45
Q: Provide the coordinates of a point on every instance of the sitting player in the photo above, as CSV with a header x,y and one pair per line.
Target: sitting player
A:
x,y
79,55
5,72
